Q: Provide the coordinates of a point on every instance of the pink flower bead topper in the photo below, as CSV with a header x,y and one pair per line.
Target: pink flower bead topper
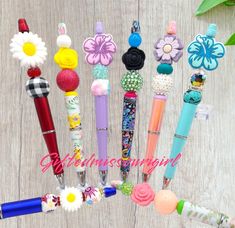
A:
x,y
100,48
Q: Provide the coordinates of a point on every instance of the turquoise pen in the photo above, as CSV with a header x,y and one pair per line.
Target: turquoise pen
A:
x,y
204,53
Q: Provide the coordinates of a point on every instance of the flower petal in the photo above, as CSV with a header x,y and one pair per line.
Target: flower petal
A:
x,y
169,39
195,47
178,56
110,47
196,61
89,45
105,59
218,50
177,44
160,43
210,63
93,58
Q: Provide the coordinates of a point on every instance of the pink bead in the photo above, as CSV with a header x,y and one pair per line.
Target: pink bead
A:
x,y
171,30
165,202
67,80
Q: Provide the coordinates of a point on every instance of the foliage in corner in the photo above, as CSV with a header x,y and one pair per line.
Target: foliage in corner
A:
x,y
231,40
206,5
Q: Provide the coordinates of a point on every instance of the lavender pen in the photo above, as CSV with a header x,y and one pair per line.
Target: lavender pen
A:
x,y
99,50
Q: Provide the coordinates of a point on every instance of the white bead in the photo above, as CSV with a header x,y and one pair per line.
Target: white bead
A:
x,y
63,41
162,84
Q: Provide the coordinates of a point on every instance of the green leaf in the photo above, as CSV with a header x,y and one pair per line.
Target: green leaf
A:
x,y
230,3
231,40
207,5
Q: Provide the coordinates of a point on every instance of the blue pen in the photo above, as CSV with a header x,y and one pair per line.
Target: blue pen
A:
x,y
203,52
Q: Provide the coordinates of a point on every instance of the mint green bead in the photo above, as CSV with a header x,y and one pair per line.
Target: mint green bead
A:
x,y
100,72
164,68
132,81
192,97
126,188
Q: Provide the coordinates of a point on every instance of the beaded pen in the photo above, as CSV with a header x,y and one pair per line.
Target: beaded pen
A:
x,y
31,51
167,50
99,51
131,82
203,53
46,203
68,81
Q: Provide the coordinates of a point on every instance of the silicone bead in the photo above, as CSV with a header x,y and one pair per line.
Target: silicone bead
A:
x,y
63,41
34,72
212,29
135,39
164,68
180,206
165,202
67,80
100,72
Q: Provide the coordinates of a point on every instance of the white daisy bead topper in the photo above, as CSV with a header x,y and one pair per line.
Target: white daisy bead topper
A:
x,y
29,49
71,199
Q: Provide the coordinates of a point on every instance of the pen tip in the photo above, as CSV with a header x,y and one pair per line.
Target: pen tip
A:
x,y
166,182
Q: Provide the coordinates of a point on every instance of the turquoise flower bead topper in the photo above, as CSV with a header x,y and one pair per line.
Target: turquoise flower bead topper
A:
x,y
204,51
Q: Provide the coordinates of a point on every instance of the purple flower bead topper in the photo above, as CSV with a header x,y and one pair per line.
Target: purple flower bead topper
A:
x,y
168,49
99,49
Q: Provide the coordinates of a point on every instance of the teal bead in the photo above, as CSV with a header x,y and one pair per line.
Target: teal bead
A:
x,y
135,39
132,81
100,72
164,68
211,31
192,97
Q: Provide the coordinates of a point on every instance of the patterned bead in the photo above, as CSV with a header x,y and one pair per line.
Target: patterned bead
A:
x,y
162,84
37,87
135,39
132,81
198,80
164,68
192,97
126,188
100,72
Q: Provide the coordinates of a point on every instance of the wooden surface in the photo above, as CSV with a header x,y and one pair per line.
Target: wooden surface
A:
x,y
206,172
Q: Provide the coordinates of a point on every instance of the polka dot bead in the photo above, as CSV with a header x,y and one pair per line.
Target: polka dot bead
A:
x,y
165,202
162,84
100,72
164,68
132,81
37,87
63,41
67,80
135,39
192,97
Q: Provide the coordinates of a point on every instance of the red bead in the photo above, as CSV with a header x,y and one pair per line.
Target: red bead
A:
x,y
22,24
67,80
34,72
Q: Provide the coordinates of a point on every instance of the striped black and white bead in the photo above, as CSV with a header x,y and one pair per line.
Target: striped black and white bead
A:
x,y
37,87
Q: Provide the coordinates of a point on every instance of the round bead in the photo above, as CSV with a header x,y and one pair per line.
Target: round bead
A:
x,y
63,41
37,87
126,188
164,68
192,97
34,72
132,81
165,202
67,80
162,84
100,72
135,39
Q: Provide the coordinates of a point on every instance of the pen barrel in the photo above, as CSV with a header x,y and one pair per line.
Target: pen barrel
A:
x,y
101,110
154,128
204,215
22,207
48,130
128,126
181,134
74,119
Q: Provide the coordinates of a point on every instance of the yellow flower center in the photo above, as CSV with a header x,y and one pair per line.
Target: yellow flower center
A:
x,y
29,48
71,197
167,48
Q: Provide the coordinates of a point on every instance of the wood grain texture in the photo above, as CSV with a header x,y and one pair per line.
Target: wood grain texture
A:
x,y
206,173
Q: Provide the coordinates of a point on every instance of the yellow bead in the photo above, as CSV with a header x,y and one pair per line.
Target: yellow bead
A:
x,y
66,58
29,48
